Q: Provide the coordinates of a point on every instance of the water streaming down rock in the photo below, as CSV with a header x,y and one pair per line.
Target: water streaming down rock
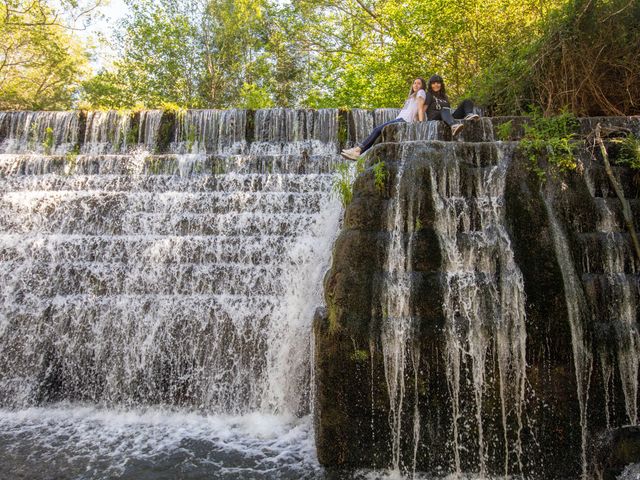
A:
x,y
134,276
577,316
520,303
617,282
362,121
175,258
382,115
483,300
397,330
221,132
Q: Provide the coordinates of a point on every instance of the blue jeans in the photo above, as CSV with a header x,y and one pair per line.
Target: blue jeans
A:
x,y
465,108
375,133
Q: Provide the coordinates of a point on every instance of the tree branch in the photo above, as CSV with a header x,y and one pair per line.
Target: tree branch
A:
x,y
367,9
626,210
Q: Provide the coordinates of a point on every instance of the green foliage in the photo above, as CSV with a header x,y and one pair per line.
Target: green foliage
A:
x,y
105,90
202,54
367,52
133,134
508,54
159,59
47,143
254,97
582,56
380,175
154,165
33,135
41,61
191,137
629,151
418,225
360,355
343,182
342,185
173,108
550,138
505,130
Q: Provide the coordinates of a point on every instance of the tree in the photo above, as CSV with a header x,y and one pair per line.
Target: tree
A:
x,y
586,59
159,58
201,53
370,50
41,62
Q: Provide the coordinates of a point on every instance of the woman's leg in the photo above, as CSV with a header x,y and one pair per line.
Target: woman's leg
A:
x,y
375,133
456,127
464,109
445,114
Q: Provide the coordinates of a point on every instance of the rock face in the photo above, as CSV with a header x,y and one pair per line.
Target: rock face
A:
x,y
477,320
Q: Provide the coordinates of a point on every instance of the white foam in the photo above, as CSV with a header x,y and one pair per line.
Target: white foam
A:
x,y
111,441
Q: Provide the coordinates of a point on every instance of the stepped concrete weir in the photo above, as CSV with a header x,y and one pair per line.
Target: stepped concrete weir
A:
x,y
477,320
163,257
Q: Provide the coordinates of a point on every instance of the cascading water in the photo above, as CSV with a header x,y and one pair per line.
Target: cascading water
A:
x,y
149,129
382,115
183,280
483,299
462,334
39,132
615,277
397,336
483,305
106,132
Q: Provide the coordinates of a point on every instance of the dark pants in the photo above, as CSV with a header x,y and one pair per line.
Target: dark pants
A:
x,y
375,133
464,109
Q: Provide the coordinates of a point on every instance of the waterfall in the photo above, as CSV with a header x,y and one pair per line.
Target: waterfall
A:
x,y
51,133
282,131
483,299
577,315
362,124
483,304
619,287
183,279
210,131
107,132
149,129
382,115
397,335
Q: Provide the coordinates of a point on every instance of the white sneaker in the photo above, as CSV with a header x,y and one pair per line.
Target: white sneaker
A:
x,y
456,129
471,116
351,153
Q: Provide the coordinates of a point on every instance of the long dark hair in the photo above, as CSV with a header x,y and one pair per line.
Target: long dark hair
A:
x,y
424,85
443,91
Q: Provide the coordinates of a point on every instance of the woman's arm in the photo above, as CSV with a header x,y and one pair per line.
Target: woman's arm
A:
x,y
421,104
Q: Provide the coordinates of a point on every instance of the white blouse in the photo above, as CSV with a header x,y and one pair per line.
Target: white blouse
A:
x,y
409,112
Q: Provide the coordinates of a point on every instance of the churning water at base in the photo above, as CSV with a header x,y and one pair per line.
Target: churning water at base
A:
x,y
66,441
84,442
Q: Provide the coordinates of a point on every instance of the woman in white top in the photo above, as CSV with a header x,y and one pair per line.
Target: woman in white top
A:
x,y
413,110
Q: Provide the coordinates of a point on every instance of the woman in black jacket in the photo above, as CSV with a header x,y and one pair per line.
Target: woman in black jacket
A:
x,y
437,106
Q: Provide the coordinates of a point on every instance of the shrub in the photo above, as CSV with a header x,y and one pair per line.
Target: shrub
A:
x,y
551,138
